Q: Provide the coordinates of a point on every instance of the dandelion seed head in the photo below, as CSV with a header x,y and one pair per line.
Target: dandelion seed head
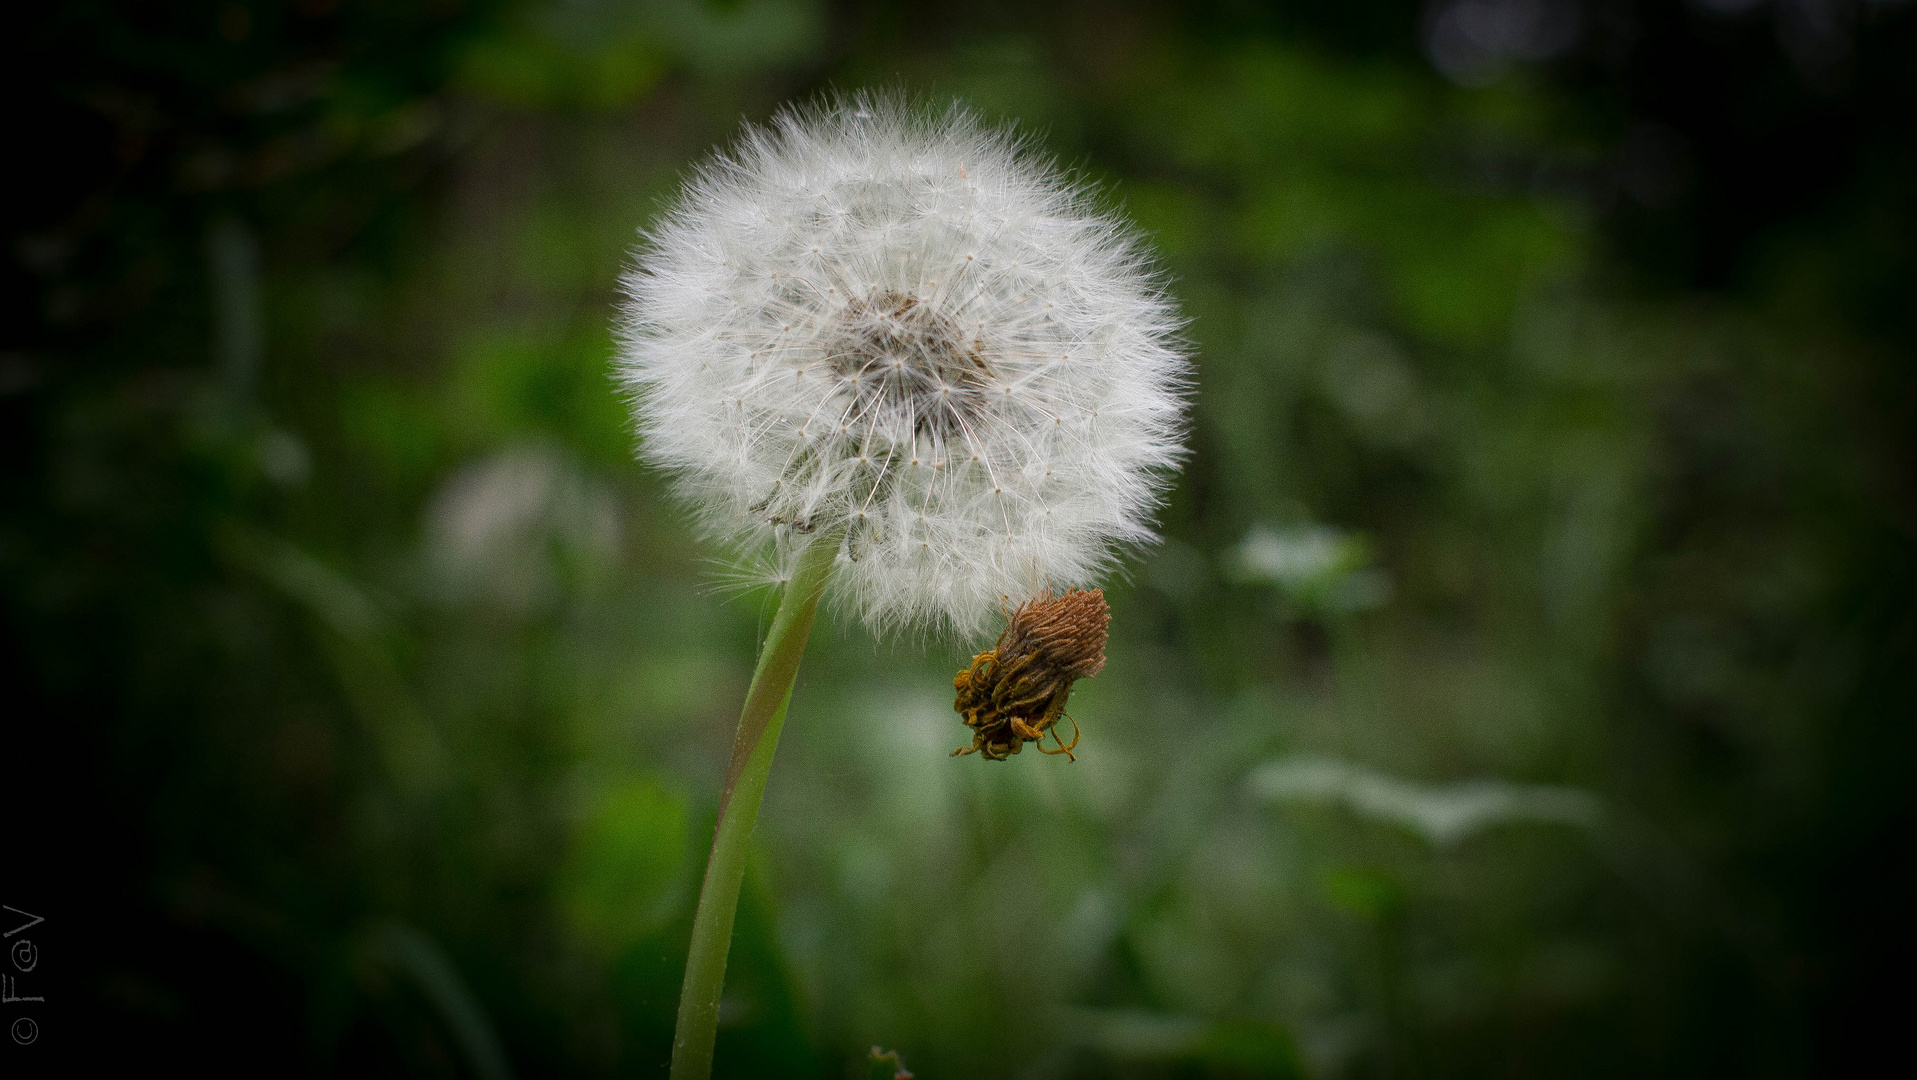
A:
x,y
861,287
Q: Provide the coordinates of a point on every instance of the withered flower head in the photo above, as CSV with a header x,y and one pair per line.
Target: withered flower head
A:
x,y
1014,693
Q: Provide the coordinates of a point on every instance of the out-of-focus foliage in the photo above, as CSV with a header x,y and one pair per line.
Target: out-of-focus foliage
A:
x,y
1522,686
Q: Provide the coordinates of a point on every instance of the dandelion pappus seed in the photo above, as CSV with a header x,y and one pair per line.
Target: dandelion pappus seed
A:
x,y
821,232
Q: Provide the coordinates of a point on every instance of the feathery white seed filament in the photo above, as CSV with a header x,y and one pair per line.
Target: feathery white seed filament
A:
x,y
908,325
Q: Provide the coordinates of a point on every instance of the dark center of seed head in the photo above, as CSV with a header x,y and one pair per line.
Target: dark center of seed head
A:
x,y
912,372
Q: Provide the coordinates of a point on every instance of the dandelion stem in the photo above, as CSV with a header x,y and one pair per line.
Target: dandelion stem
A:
x,y
759,726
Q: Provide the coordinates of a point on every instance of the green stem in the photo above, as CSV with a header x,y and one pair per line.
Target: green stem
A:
x,y
759,726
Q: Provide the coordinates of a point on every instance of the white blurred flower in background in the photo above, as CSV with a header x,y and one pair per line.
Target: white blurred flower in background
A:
x,y
1316,566
516,526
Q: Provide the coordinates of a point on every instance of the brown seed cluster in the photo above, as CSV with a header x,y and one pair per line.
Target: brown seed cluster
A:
x,y
1016,692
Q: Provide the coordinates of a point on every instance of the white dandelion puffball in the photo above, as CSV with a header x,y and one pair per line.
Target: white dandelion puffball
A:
x,y
904,329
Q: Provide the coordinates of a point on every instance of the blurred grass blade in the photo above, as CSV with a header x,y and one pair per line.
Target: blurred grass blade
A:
x,y
417,955
1444,814
357,638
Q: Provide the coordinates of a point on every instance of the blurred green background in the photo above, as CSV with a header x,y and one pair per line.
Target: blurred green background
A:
x,y
1523,686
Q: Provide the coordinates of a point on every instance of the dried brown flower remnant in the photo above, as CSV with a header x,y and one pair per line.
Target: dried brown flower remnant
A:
x,y
1016,692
